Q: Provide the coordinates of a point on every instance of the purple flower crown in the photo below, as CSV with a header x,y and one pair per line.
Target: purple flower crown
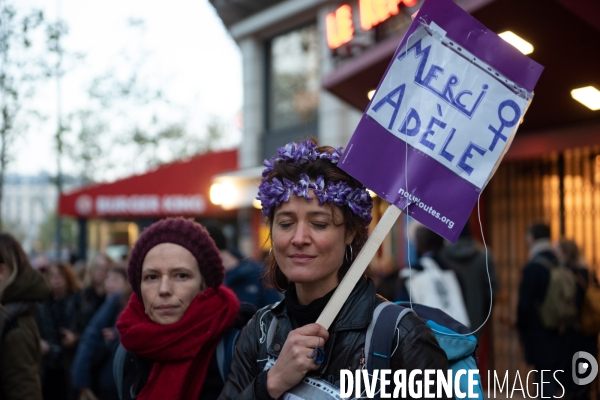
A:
x,y
275,192
302,153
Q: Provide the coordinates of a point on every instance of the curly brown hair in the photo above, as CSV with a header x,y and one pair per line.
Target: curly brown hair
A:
x,y
353,223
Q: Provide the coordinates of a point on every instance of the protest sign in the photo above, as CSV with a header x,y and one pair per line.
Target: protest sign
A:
x,y
442,117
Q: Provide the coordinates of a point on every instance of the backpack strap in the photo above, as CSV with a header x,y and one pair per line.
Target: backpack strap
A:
x,y
118,368
381,333
225,350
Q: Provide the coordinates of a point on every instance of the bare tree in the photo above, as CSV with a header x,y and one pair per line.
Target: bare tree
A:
x,y
16,76
54,34
128,111
128,121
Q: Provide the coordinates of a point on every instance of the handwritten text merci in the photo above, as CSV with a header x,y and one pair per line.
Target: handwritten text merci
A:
x,y
439,102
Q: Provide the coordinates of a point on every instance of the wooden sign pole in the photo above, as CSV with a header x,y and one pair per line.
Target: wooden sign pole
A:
x,y
358,267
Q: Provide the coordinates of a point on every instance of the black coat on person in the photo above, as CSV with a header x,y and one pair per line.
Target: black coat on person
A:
x,y
20,352
418,347
52,315
536,339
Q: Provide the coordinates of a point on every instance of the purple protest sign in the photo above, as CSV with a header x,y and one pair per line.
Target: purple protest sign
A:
x,y
442,117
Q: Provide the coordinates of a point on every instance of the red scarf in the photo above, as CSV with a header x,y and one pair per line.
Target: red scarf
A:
x,y
181,351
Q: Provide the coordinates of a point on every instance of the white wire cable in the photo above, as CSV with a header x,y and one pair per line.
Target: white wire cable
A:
x,y
408,235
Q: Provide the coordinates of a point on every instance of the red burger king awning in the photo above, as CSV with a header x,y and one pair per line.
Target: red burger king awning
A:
x,y
179,188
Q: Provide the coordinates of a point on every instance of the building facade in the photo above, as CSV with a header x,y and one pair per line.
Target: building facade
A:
x,y
308,68
27,202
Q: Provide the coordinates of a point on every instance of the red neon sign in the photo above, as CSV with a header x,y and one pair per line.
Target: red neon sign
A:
x,y
374,12
339,27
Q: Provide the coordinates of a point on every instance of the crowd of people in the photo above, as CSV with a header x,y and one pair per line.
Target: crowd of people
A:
x,y
188,317
59,322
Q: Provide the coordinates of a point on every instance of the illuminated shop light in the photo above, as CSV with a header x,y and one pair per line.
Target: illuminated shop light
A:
x,y
223,193
589,96
339,28
519,43
370,94
374,12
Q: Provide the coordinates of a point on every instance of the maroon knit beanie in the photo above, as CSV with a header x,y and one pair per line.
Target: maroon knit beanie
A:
x,y
186,233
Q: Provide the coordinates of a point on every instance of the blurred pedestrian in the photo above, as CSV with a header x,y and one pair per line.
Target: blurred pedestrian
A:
x,y
80,270
20,353
545,341
93,294
60,323
92,373
431,281
177,314
569,254
468,260
242,274
41,262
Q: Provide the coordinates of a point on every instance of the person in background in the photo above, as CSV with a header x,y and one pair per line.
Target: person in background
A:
x,y
176,315
569,254
41,262
80,270
21,287
94,289
430,281
468,260
243,275
60,322
91,372
535,337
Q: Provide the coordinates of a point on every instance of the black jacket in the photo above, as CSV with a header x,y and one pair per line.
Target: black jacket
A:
x,y
246,282
137,370
536,339
468,260
20,352
418,347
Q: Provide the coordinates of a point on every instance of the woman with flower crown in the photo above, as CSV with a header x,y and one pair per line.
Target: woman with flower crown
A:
x,y
318,217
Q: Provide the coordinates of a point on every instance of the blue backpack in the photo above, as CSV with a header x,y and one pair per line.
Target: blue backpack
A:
x,y
460,350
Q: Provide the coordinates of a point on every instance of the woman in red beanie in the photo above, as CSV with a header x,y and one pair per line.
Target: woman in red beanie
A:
x,y
176,315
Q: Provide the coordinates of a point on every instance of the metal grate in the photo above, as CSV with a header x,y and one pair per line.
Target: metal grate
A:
x,y
562,190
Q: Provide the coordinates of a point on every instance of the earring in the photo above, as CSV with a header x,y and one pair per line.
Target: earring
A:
x,y
270,251
349,261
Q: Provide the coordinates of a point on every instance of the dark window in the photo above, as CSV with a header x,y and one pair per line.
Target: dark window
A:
x,y
294,78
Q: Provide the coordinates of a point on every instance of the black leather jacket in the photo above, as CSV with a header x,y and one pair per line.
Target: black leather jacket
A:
x,y
418,348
